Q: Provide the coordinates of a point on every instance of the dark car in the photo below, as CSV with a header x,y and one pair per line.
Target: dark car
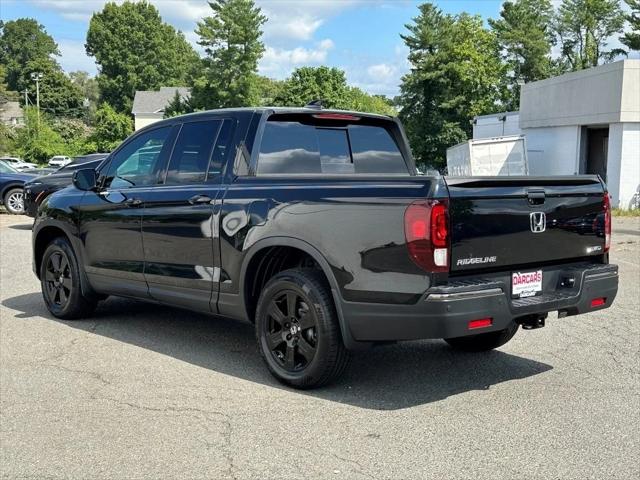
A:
x,y
11,184
314,225
37,189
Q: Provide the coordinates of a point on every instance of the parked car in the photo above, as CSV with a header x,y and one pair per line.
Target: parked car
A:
x,y
59,161
18,163
11,182
313,225
37,189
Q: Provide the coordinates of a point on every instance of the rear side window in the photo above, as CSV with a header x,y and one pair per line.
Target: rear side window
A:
x,y
192,152
375,151
297,147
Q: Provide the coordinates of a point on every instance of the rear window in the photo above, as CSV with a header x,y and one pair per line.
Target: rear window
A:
x,y
300,147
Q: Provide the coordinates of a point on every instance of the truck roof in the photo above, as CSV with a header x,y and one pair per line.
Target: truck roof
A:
x,y
285,110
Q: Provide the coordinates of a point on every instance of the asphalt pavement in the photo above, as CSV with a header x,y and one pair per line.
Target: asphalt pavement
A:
x,y
142,391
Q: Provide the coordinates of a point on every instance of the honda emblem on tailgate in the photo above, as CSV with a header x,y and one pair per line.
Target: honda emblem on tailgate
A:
x,y
538,222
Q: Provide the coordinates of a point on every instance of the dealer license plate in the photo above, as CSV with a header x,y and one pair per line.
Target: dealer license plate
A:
x,y
526,284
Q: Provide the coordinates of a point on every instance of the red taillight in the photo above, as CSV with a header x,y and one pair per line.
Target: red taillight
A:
x,y
426,229
480,323
598,302
607,221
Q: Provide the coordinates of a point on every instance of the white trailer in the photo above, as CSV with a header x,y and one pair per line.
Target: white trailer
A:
x,y
488,157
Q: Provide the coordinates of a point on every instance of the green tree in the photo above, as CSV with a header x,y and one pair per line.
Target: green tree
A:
x,y
90,91
76,135
23,41
136,50
584,28
526,36
58,95
360,101
632,39
305,84
111,128
26,48
456,73
177,106
267,90
7,139
328,84
37,141
231,39
6,95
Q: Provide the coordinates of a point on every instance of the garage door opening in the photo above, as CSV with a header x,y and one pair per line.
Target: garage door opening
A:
x,y
595,153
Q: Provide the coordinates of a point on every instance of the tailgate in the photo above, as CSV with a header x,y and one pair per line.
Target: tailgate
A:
x,y
521,221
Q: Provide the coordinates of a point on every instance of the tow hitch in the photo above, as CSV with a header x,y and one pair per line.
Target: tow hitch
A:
x,y
531,322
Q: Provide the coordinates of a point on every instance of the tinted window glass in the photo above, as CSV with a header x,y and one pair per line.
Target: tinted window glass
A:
x,y
289,147
221,149
375,151
138,162
335,156
192,151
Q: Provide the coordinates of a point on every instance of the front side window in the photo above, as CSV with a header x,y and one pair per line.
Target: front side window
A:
x,y
191,154
139,161
302,147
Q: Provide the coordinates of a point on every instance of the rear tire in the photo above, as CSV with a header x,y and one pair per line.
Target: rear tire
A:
x,y
483,341
60,281
297,330
14,201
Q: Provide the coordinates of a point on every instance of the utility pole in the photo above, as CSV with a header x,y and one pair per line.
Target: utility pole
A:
x,y
37,76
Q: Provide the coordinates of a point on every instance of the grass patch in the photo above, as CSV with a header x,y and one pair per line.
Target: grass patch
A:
x,y
619,212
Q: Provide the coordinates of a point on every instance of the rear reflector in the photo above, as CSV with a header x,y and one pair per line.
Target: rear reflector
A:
x,y
480,323
598,302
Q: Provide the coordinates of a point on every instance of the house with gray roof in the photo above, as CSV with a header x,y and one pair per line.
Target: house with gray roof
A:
x,y
11,113
148,105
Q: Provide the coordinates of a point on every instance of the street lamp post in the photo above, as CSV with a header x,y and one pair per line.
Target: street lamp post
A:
x,y
37,76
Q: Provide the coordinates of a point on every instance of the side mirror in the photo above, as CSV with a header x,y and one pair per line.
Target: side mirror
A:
x,y
85,179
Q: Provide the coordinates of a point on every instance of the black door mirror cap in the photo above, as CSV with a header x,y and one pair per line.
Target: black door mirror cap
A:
x,y
85,179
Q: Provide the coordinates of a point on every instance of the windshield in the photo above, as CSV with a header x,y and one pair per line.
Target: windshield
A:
x,y
6,168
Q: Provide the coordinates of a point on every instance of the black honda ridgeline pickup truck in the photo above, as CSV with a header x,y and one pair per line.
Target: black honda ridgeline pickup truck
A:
x,y
314,225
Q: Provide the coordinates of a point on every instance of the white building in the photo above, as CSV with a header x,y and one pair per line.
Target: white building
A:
x,y
148,105
580,122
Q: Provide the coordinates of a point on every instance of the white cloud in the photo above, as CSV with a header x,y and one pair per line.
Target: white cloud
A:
x,y
301,28
278,62
381,71
74,57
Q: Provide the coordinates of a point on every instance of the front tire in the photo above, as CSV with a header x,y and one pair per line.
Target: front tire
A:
x,y
60,281
297,330
14,201
483,341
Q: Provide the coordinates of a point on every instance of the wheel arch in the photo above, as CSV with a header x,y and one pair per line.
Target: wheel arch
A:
x,y
43,236
8,187
262,248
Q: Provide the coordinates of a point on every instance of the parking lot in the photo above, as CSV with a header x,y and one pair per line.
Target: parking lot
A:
x,y
143,391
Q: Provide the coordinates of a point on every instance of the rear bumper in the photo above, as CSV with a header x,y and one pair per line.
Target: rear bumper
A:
x,y
445,311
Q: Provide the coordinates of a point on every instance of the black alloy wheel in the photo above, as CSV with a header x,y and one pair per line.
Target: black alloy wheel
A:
x,y
57,279
298,330
291,331
61,285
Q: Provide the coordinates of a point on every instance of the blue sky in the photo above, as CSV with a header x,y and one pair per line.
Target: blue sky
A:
x,y
360,36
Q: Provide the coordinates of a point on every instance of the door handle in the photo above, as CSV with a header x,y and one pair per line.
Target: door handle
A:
x,y
132,202
197,199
